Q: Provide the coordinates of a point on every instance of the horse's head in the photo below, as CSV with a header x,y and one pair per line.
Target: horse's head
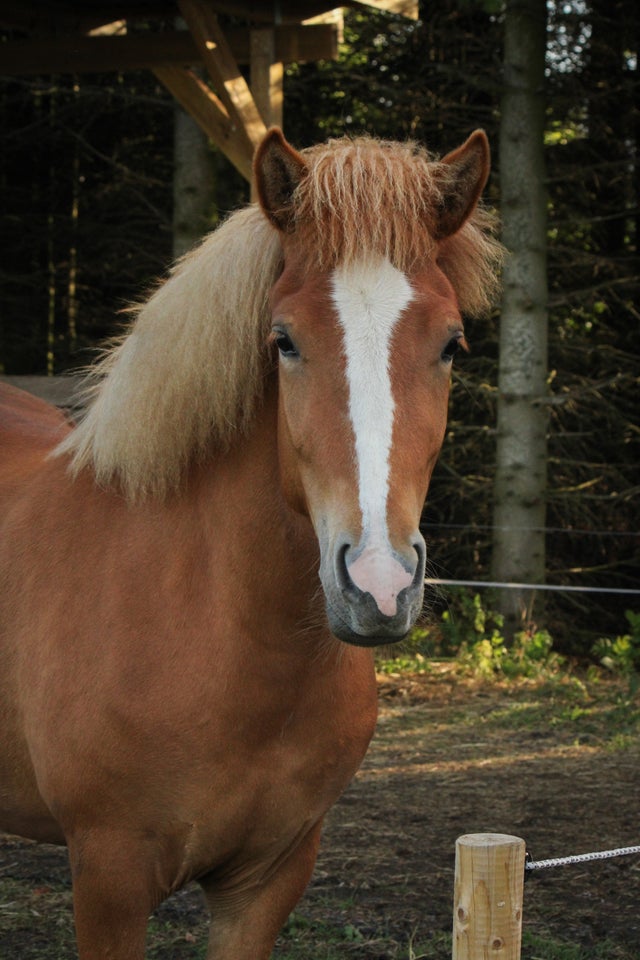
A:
x,y
366,323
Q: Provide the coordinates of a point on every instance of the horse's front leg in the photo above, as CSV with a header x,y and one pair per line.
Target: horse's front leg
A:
x,y
114,891
246,922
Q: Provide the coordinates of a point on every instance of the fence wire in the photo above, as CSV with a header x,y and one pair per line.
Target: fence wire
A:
x,y
531,865
561,588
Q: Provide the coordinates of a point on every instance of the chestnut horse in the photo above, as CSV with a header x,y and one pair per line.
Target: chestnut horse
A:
x,y
179,700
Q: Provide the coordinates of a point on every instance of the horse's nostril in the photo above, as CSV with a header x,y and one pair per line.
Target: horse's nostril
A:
x,y
342,573
421,552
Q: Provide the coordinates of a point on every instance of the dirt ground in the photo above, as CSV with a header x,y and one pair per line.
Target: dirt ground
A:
x,y
560,769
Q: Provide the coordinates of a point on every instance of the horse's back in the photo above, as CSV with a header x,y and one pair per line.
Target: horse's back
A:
x,y
25,418
29,429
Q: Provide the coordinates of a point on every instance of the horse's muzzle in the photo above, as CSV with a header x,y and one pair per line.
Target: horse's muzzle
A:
x,y
374,596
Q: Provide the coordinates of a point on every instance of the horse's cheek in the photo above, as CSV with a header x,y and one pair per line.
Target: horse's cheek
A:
x,y
290,475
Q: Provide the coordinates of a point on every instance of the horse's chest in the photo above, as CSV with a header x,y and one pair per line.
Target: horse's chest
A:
x,y
267,787
303,762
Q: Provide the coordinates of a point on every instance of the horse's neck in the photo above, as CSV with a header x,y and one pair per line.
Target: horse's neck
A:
x,y
255,536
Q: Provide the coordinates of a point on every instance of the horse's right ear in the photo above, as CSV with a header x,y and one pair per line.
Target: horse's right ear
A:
x,y
277,169
464,174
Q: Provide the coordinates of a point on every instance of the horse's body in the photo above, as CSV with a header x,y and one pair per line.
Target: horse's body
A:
x,y
174,701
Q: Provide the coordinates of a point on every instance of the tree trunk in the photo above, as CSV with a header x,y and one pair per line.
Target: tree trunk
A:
x,y
521,464
192,183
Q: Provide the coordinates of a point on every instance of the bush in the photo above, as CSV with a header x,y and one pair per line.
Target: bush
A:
x,y
622,654
471,633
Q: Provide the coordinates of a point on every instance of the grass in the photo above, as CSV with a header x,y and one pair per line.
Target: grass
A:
x,y
543,948
324,942
46,909
302,938
594,703
590,714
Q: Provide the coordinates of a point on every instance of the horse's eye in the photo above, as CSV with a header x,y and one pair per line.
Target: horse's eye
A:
x,y
285,344
453,347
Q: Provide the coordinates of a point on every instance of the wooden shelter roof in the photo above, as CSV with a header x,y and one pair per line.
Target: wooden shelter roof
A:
x,y
76,36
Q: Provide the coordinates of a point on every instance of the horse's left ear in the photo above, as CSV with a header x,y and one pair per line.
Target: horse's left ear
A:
x,y
277,169
465,173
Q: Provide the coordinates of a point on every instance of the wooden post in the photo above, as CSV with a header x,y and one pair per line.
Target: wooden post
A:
x,y
487,907
266,76
266,82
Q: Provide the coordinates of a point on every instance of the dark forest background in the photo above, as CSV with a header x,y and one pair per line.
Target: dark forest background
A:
x,y
86,168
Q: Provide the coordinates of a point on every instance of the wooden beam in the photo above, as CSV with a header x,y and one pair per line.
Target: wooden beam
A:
x,y
209,113
404,8
223,70
83,54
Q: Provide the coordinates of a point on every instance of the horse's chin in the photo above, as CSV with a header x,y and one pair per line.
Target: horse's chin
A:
x,y
357,640
374,635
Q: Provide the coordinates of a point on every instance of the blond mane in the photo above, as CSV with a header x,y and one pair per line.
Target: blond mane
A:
x,y
189,374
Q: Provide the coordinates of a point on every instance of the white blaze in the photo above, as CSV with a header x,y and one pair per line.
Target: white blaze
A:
x,y
370,297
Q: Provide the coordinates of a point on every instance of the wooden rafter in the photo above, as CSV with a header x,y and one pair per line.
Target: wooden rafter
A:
x,y
209,113
225,74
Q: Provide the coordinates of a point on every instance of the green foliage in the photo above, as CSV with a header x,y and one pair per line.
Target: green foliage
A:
x,y
475,632
528,656
409,661
489,655
470,632
621,655
467,622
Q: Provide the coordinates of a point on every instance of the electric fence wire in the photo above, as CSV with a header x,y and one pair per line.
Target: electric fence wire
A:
x,y
532,865
561,588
